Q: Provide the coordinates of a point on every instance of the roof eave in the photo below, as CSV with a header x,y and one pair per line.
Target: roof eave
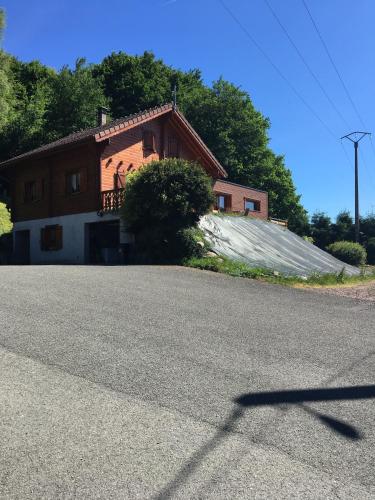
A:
x,y
200,141
133,122
47,152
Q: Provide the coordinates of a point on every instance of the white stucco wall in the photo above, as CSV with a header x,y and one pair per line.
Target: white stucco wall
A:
x,y
73,251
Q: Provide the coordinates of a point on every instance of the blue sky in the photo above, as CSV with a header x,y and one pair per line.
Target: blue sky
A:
x,y
200,34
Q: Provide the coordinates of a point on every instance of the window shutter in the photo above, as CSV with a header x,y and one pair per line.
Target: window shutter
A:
x,y
82,180
148,140
68,184
39,189
173,147
227,202
26,192
120,180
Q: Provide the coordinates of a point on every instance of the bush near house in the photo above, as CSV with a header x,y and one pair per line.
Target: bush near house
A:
x,y
5,234
5,222
349,252
163,203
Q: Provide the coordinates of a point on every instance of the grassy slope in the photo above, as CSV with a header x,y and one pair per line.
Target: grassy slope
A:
x,y
239,269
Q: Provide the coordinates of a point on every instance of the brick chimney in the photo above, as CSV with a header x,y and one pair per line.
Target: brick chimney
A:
x,y
102,115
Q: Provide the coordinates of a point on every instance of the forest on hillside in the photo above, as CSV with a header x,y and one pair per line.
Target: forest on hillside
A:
x,y
39,104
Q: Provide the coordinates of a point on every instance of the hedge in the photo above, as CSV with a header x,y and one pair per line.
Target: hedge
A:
x,y
349,252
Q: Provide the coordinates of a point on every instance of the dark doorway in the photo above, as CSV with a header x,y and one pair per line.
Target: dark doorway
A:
x,y
22,247
103,242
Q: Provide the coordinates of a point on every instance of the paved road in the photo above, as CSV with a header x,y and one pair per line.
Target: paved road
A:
x,y
139,382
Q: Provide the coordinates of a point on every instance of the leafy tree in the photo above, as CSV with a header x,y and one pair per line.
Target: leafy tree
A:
x,y
321,229
370,247
2,24
343,229
49,105
135,83
367,225
6,91
162,200
76,96
26,128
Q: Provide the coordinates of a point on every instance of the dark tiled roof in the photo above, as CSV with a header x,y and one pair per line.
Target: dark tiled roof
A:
x,y
97,133
100,133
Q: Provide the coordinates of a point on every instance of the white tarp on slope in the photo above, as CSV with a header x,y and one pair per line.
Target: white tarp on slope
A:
x,y
264,244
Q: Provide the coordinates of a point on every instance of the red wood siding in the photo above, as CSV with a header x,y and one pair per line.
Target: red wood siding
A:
x,y
238,195
124,153
53,171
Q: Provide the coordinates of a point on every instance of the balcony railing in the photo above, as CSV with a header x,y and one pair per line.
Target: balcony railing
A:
x,y
111,201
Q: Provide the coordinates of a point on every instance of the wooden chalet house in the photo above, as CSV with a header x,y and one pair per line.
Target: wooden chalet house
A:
x,y
65,195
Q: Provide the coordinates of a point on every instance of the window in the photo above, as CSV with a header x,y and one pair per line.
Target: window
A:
x,y
173,147
51,238
252,206
220,202
73,183
30,193
148,141
223,202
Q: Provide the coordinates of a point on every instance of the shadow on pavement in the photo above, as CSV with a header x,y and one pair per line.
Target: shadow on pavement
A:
x,y
291,397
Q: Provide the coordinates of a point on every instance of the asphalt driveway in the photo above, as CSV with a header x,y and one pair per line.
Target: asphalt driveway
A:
x,y
161,382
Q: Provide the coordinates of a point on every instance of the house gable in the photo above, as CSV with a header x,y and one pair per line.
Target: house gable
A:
x,y
125,152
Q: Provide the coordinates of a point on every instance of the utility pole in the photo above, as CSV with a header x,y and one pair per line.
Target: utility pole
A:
x,y
355,141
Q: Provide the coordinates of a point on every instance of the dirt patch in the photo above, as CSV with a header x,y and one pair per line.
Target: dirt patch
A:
x,y
360,292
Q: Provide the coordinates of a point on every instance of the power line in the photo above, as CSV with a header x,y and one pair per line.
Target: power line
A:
x,y
368,170
333,64
338,112
275,67
318,82
337,72
372,146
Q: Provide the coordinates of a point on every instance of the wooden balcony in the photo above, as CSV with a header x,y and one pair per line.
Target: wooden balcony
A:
x,y
111,201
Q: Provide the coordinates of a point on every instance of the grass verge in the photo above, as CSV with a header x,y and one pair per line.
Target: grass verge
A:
x,y
241,270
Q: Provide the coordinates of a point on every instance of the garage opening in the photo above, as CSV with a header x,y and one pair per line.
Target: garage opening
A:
x,y
103,242
22,247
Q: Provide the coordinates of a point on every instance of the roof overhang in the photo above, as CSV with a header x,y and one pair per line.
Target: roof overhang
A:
x,y
104,133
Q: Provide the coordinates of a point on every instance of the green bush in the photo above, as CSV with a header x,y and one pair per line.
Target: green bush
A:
x,y
371,251
163,203
349,252
5,222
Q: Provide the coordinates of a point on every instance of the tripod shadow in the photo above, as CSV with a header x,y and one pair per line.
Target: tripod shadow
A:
x,y
273,398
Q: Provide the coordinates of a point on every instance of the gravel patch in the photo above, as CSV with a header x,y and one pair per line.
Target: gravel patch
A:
x,y
361,292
